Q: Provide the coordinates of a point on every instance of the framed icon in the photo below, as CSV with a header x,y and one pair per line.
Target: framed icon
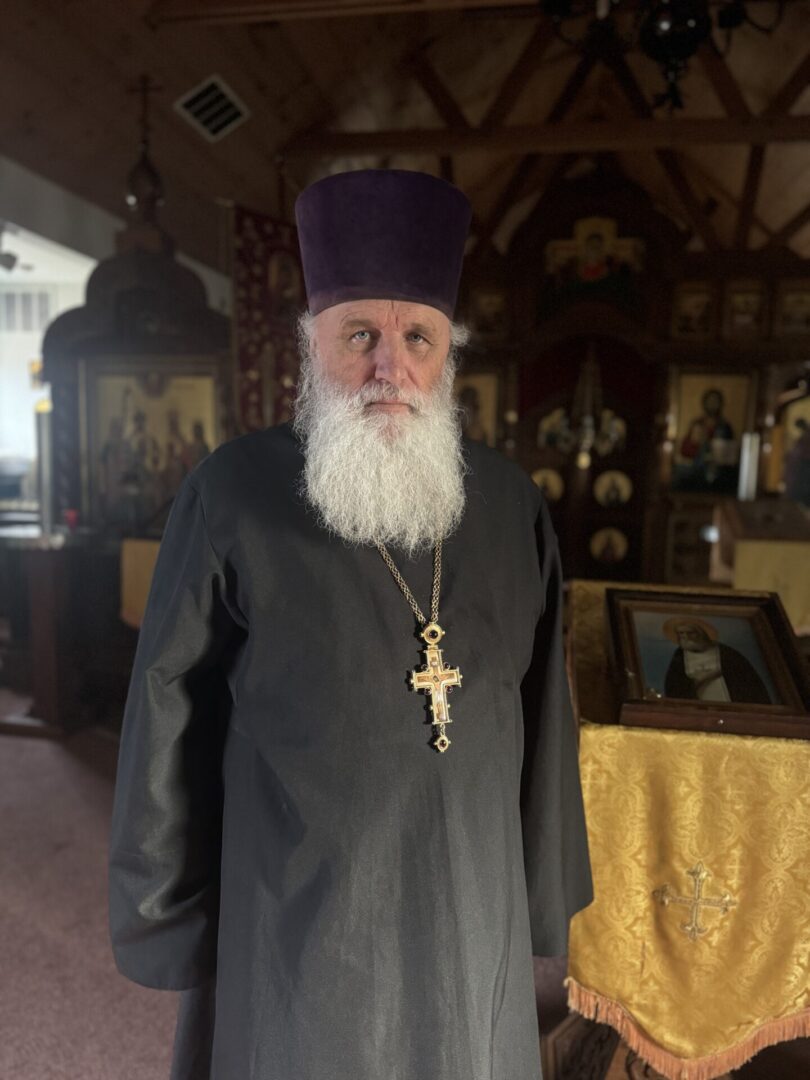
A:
x,y
693,311
745,309
708,662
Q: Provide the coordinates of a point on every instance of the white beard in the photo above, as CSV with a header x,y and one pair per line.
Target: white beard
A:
x,y
376,477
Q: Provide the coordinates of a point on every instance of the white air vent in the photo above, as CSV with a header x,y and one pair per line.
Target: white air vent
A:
x,y
212,108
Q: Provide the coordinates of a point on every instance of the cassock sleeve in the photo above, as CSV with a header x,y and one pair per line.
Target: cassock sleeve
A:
x,y
555,843
167,816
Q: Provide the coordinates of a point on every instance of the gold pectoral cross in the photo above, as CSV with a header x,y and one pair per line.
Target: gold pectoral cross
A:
x,y
436,679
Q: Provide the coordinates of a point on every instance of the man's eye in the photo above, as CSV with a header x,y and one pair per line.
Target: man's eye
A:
x,y
356,335
417,338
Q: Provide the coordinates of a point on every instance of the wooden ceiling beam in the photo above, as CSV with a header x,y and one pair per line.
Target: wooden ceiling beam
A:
x,y
780,105
580,136
792,89
790,228
327,105
532,172
510,194
728,91
666,156
418,65
510,90
570,91
515,82
628,84
701,221
526,172
259,11
753,176
725,86
723,82
715,187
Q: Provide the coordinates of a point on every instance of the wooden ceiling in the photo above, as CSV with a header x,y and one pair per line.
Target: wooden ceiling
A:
x,y
483,93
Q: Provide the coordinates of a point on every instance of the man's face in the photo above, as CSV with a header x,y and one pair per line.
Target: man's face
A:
x,y
692,637
379,426
382,342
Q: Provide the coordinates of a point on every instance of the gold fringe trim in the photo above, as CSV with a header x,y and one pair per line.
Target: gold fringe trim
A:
x,y
596,1006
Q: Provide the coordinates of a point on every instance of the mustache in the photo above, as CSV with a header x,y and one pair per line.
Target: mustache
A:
x,y
384,391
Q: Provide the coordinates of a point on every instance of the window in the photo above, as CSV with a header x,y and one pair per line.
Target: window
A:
x,y
25,311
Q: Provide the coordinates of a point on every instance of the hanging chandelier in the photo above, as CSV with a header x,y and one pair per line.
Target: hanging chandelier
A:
x,y
668,32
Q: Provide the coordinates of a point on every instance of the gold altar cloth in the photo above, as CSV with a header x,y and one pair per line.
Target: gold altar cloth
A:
x,y
777,566
695,993
138,558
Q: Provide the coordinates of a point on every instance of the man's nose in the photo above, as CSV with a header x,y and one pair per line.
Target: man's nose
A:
x,y
389,359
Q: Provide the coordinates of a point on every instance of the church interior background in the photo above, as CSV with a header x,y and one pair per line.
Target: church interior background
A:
x,y
636,283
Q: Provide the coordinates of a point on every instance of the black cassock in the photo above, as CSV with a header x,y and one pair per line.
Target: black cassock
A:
x,y
340,901
742,680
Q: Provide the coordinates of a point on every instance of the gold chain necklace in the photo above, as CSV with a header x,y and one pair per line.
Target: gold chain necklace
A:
x,y
434,678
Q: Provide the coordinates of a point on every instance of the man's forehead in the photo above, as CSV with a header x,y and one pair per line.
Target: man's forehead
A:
x,y
389,313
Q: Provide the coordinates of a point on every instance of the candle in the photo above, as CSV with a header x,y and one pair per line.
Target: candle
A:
x,y
749,466
44,472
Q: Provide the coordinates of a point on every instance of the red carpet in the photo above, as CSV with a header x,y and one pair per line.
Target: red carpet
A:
x,y
65,1012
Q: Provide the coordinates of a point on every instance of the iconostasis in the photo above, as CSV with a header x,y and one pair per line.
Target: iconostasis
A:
x,y
627,374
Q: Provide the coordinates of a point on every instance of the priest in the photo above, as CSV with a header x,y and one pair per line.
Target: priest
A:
x,y
348,805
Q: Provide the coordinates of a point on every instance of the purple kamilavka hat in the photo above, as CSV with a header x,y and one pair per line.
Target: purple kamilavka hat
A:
x,y
382,234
